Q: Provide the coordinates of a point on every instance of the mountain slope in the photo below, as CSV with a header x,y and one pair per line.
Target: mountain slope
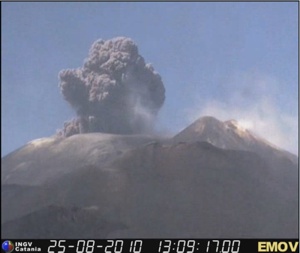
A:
x,y
41,160
136,186
60,222
230,135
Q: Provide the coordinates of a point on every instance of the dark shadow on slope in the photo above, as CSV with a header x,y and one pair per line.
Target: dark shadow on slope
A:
x,y
58,222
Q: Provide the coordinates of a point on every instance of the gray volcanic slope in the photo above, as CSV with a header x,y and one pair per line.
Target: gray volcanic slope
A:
x,y
107,186
230,135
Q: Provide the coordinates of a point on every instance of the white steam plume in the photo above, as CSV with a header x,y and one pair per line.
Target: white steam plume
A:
x,y
251,100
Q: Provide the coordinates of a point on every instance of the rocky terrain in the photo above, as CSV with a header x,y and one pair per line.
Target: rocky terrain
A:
x,y
213,179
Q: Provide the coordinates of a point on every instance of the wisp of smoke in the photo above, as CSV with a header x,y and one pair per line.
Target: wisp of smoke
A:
x,y
114,92
257,101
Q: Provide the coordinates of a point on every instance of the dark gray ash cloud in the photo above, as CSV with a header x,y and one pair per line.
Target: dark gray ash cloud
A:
x,y
114,92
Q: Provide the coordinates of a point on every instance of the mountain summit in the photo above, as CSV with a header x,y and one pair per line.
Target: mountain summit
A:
x,y
230,135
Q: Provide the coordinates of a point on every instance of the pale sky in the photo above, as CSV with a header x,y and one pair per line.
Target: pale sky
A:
x,y
226,59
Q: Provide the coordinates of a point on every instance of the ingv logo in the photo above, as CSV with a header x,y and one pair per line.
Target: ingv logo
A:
x,y
23,244
277,246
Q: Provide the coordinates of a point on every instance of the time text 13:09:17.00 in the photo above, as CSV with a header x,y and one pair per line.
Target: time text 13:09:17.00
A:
x,y
198,246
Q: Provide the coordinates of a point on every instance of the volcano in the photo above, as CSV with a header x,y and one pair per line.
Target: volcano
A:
x,y
231,135
213,179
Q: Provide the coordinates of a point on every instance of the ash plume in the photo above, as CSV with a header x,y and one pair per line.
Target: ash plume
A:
x,y
114,92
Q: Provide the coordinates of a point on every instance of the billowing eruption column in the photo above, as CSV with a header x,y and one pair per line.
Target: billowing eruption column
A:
x,y
114,91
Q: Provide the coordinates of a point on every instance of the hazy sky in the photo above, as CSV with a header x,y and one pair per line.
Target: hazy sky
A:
x,y
228,60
